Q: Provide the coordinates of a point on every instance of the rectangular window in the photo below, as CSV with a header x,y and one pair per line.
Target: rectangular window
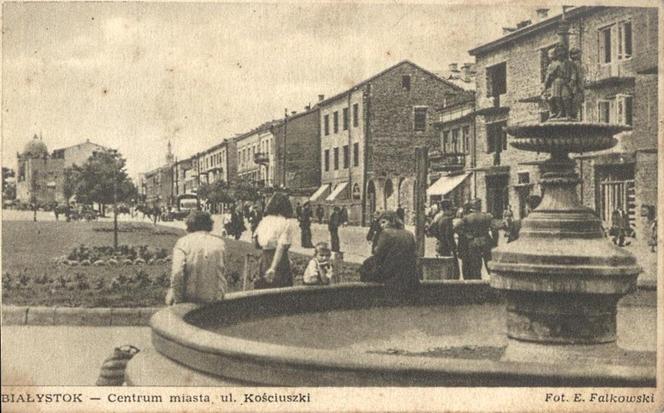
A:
x,y
625,40
605,48
604,111
496,80
544,61
523,178
346,157
336,159
326,124
405,82
455,140
326,160
345,118
356,115
496,137
420,119
356,154
466,139
335,121
446,141
624,109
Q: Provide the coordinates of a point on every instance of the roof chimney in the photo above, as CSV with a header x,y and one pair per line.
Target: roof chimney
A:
x,y
523,24
308,107
321,98
542,13
508,30
293,112
454,67
468,70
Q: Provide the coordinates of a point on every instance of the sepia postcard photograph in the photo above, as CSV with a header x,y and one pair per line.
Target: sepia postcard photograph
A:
x,y
331,206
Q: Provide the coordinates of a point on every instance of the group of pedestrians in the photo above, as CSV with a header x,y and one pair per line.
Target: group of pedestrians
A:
x,y
467,234
200,258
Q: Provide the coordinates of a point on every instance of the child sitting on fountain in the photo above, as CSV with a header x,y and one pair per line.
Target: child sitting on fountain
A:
x,y
319,271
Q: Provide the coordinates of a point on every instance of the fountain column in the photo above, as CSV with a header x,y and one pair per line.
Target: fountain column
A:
x,y
562,278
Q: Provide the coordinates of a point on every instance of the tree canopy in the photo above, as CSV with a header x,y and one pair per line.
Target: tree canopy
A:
x,y
102,179
217,192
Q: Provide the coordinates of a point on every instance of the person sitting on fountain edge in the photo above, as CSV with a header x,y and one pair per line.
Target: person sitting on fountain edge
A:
x,y
320,271
198,273
394,261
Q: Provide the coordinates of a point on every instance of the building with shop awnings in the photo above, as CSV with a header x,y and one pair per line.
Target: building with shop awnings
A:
x,y
448,187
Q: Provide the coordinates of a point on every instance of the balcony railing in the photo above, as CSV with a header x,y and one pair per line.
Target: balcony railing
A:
x,y
261,158
447,161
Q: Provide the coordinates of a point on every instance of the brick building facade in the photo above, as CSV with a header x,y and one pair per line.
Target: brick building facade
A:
x,y
619,58
297,152
368,137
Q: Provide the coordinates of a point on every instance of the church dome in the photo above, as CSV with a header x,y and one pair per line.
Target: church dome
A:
x,y
36,148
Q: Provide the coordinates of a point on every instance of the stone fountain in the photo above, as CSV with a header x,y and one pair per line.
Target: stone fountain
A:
x,y
562,278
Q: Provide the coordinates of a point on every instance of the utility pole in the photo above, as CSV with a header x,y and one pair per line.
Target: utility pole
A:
x,y
420,195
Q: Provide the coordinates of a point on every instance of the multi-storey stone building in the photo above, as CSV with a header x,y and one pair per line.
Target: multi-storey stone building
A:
x,y
297,152
256,156
619,58
40,176
218,163
451,163
368,136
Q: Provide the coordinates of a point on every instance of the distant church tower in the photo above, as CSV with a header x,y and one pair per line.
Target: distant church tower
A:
x,y
170,159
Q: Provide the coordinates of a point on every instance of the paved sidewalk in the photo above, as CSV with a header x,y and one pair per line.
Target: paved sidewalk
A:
x,y
62,355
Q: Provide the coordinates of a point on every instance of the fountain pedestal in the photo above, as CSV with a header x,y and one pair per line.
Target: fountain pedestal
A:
x,y
562,278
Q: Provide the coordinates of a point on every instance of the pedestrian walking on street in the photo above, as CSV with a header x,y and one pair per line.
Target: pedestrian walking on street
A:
x,y
320,213
255,217
198,273
274,236
474,231
298,211
442,228
344,216
333,227
374,230
401,213
619,227
305,226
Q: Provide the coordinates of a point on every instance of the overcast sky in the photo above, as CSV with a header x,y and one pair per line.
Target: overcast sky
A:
x,y
135,75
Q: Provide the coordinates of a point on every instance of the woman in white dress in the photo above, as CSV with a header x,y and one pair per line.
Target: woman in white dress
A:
x,y
274,236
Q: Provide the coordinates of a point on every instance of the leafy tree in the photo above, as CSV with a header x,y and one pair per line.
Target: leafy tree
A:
x,y
8,188
217,192
102,179
71,178
244,191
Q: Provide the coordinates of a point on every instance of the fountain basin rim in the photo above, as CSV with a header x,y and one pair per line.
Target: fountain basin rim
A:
x,y
526,129
179,340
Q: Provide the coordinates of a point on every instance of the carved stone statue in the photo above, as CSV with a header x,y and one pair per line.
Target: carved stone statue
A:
x,y
578,81
558,84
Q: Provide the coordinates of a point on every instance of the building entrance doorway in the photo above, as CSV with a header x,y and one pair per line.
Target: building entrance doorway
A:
x,y
496,195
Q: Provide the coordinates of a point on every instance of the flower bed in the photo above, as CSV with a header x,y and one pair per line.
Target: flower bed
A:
x,y
32,276
123,255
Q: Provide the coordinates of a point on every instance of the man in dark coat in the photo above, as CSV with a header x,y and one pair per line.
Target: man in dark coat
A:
x,y
374,231
305,226
394,261
401,213
476,229
298,211
442,228
320,212
619,226
333,227
343,216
